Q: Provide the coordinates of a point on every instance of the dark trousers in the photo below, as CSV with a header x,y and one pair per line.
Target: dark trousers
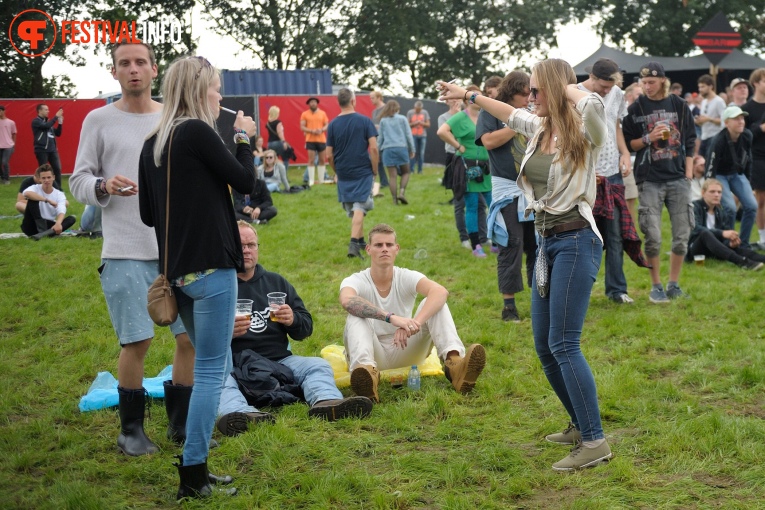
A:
x,y
266,213
521,239
53,160
33,223
708,245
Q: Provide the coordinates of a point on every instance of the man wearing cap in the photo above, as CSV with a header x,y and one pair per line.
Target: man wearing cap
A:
x,y
7,143
755,107
712,107
313,123
730,162
612,164
739,92
659,128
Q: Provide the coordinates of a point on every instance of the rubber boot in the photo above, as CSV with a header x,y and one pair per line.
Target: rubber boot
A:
x,y
132,439
177,398
195,481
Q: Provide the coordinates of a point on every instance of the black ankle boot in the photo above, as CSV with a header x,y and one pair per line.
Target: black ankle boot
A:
x,y
195,481
132,439
177,398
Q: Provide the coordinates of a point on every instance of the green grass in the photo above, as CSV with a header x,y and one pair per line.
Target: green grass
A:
x,y
681,386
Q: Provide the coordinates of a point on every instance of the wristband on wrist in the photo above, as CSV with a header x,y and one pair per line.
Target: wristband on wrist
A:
x,y
387,317
473,96
465,97
241,138
646,139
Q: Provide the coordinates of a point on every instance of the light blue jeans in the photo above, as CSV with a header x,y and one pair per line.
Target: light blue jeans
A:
x,y
207,308
314,376
471,210
91,219
419,153
557,320
738,185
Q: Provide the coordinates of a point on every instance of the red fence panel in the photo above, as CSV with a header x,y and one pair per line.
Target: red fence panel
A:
x,y
291,107
23,111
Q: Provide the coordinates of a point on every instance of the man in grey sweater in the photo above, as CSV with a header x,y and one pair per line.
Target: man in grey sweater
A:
x,y
105,175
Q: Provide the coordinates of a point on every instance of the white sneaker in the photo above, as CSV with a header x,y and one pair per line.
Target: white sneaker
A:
x,y
466,244
623,299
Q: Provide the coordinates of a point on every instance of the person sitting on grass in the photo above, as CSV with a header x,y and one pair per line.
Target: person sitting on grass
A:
x,y
21,200
273,173
255,207
270,338
45,213
710,238
380,331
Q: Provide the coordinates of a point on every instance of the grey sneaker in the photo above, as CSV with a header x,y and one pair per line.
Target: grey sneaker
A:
x,y
569,436
233,424
333,410
758,246
658,295
751,265
676,293
510,313
623,299
581,457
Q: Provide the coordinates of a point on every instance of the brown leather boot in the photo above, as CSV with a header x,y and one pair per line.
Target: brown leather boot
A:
x,y
463,372
364,380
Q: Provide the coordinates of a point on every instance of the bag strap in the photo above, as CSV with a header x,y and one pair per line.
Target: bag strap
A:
x,y
167,201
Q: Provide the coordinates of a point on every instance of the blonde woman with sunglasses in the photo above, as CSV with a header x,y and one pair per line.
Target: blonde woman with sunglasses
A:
x,y
204,251
557,176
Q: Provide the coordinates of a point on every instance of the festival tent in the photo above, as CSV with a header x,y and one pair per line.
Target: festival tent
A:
x,y
685,70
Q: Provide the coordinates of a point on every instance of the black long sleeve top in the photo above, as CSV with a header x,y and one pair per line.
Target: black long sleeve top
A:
x,y
202,229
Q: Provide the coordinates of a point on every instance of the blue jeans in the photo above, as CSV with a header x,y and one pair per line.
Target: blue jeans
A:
x,y
616,282
471,210
419,152
91,219
557,320
207,308
314,376
738,185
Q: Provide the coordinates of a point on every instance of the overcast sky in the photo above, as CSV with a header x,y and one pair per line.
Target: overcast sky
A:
x,y
575,43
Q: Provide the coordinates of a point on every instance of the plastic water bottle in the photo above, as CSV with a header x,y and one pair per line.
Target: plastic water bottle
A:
x,y
413,382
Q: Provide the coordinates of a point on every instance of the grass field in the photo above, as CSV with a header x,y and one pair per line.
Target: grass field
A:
x,y
680,386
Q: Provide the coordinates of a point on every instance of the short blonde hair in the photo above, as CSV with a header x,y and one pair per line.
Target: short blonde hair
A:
x,y
273,113
242,224
381,228
709,182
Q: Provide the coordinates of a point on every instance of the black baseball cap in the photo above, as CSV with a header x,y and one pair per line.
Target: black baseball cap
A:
x,y
603,69
312,99
652,70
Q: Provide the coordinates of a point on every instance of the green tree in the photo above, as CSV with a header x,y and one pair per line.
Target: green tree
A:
x,y
667,27
283,34
21,76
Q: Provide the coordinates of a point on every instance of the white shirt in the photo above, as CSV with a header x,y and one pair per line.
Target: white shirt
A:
x,y
47,211
616,109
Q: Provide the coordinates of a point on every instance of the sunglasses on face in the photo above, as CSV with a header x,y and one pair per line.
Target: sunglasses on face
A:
x,y
534,92
269,157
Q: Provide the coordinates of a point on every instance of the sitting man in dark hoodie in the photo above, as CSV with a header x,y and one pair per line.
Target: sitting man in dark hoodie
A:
x,y
710,237
255,207
269,339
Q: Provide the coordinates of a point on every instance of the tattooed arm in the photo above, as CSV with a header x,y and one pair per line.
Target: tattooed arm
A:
x,y
360,307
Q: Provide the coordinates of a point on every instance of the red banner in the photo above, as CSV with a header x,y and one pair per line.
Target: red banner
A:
x,y
291,107
23,111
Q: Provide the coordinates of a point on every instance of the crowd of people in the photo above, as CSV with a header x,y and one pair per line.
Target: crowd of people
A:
x,y
538,164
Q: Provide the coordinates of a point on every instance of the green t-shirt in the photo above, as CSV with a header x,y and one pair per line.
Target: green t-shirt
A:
x,y
463,130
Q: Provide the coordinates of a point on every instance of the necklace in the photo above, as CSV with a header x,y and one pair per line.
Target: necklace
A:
x,y
382,291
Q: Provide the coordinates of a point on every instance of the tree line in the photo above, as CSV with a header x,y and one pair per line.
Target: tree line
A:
x,y
370,41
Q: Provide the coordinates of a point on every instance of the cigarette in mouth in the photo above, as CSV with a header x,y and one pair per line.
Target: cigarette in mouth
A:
x,y
226,110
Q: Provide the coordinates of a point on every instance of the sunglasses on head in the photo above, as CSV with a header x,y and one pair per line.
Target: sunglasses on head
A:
x,y
203,63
